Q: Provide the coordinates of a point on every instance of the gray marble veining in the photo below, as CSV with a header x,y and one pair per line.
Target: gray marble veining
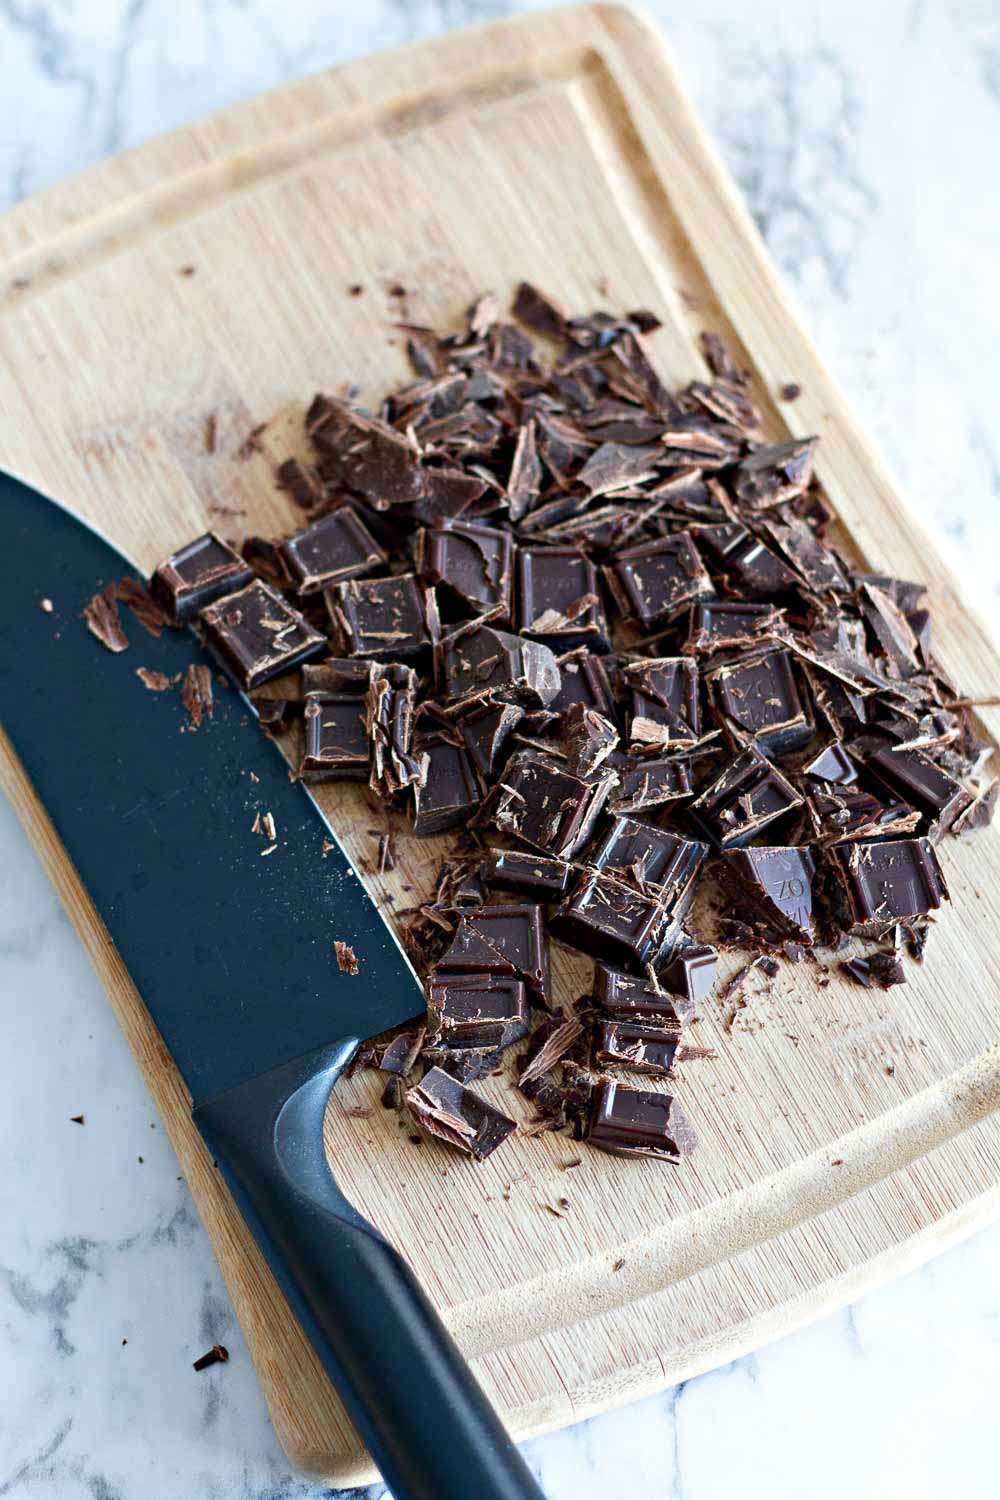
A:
x,y
864,139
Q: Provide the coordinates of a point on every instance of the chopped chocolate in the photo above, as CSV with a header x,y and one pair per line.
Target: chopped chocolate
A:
x,y
336,547
773,886
392,1094
583,680
611,919
447,1110
586,741
389,723
889,882
218,1354
379,618
529,874
664,703
347,959
691,972
101,615
550,1042
748,797
486,729
483,1011
774,473
546,806
650,584
257,636
447,793
832,764
923,784
473,562
478,660
650,857
196,576
538,311
638,1122
336,675
506,939
645,1001
760,695
644,1049
196,693
143,607
751,568
559,598
645,782
156,682
979,813
399,1056
275,715
714,627
336,746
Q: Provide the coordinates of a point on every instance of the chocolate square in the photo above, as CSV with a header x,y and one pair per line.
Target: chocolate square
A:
x,y
531,875
256,635
447,793
478,660
508,939
559,597
538,801
773,885
476,1010
196,576
714,626
690,973
753,570
650,584
382,618
627,998
644,1049
614,920
664,703
473,562
334,548
486,729
638,1122
337,747
650,856
760,695
746,798
645,781
890,881
923,784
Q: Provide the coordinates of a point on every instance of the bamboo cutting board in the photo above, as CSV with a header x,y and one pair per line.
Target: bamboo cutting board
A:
x,y
846,1134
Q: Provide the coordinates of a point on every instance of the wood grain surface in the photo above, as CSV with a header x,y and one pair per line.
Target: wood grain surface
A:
x,y
846,1134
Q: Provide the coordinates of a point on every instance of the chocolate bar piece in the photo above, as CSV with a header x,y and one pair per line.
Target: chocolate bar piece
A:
x,y
774,885
586,741
447,793
389,720
196,576
546,806
690,973
275,715
457,1115
257,636
760,695
583,679
644,1049
713,627
559,597
337,747
614,920
889,882
638,1122
645,782
832,764
923,784
478,660
337,547
528,874
626,998
753,570
502,940
650,584
775,472
849,812
476,1010
486,729
473,562
380,618
651,856
664,703
337,675
748,797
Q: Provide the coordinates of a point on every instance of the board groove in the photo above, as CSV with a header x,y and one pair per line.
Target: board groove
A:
x,y
557,146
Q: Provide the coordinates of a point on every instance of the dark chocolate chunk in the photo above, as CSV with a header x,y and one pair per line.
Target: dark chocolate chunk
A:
x,y
196,693
484,1011
275,715
626,998
638,1122
538,801
584,680
819,568
832,764
586,740
760,695
748,797
389,723
714,627
923,784
753,570
380,618
650,856
337,675
539,312
486,729
101,615
644,1049
664,703
473,562
528,874
774,885
337,747
611,919
979,814
890,627
399,1056
478,660
550,1042
652,583
691,973
645,782
337,547
558,597
456,1115
218,1354
257,635
525,478
775,472
850,812
889,882
502,940
447,793
196,576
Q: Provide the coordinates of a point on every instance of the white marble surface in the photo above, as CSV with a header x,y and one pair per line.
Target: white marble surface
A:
x,y
864,136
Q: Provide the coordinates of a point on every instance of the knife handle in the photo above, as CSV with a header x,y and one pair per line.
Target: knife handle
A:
x,y
420,1411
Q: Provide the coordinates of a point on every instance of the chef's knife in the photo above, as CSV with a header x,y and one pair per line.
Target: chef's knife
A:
x,y
232,954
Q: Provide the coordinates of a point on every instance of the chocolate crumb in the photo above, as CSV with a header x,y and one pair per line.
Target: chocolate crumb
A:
x,y
347,960
217,1355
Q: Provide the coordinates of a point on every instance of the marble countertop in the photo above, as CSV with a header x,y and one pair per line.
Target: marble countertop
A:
x,y
863,136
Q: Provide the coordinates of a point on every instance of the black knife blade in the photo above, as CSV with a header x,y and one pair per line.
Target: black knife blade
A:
x,y
231,950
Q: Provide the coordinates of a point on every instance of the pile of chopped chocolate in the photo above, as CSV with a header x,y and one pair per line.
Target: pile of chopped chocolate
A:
x,y
601,628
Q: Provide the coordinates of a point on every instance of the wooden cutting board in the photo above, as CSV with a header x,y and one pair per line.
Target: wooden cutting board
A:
x,y
846,1134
